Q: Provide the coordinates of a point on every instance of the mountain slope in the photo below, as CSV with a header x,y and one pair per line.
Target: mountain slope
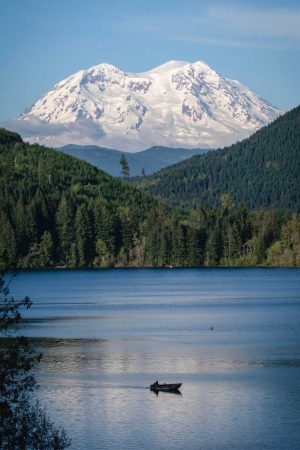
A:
x,y
261,171
177,104
56,210
150,160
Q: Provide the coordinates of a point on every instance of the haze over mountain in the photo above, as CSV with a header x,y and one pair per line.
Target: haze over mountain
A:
x,y
151,160
178,104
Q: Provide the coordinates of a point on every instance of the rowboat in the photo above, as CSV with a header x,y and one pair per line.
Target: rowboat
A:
x,y
165,386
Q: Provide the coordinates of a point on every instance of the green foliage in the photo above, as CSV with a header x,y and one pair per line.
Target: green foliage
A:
x,y
60,211
9,137
286,250
124,166
24,424
261,172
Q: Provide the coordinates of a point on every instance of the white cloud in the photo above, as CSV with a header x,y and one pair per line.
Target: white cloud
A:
x,y
35,130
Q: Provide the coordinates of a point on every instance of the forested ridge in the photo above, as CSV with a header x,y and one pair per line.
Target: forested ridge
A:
x,y
58,211
261,171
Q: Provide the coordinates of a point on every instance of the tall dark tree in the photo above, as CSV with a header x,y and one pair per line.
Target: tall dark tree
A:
x,y
124,166
84,236
7,243
65,218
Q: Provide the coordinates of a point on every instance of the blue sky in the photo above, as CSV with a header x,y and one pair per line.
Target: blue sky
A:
x,y
43,41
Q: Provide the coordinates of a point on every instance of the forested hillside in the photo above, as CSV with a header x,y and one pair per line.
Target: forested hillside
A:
x,y
262,171
57,211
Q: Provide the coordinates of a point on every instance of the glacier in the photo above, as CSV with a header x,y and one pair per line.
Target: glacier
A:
x,y
177,104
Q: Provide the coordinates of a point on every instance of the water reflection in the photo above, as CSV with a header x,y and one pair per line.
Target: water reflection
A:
x,y
170,391
101,390
113,356
106,336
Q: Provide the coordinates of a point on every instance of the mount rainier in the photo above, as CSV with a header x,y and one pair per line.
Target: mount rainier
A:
x,y
177,104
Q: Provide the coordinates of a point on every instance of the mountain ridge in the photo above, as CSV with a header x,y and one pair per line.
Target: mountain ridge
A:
x,y
148,161
58,211
261,171
177,104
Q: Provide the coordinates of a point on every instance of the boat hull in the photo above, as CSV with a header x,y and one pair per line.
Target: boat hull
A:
x,y
165,387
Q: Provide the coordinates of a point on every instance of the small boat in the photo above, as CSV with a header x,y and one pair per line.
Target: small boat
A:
x,y
165,386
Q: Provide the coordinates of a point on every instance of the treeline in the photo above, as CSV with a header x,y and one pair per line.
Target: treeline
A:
x,y
229,236
261,172
59,211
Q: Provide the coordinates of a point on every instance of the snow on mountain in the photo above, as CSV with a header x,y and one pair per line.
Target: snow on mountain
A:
x,y
176,104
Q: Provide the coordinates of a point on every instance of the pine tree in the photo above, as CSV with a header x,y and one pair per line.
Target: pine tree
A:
x,y
65,228
47,249
195,247
124,166
232,244
105,225
84,237
213,247
41,212
22,243
7,243
102,257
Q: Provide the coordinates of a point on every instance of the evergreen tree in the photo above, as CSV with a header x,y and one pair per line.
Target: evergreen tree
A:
x,y
102,255
7,243
31,227
47,249
195,247
124,166
213,251
22,242
179,246
105,225
83,233
65,218
86,218
232,245
262,171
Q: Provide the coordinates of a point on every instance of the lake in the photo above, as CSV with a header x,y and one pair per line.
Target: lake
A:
x,y
231,336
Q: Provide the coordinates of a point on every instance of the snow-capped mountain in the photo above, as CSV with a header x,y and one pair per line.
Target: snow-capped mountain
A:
x,y
176,104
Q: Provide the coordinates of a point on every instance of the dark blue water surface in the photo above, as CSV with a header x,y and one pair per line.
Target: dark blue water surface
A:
x,y
106,335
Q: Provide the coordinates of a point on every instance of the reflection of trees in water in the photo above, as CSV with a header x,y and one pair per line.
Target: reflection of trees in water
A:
x,y
24,423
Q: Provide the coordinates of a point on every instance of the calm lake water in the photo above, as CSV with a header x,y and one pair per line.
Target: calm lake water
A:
x,y
106,335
